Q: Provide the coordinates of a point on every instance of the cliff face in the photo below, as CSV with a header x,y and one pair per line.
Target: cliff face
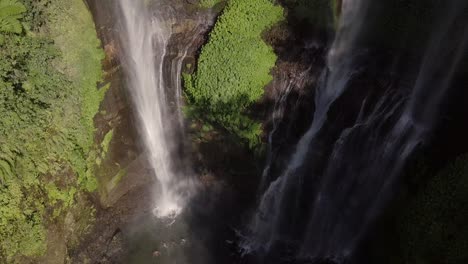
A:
x,y
75,197
227,169
231,172
224,165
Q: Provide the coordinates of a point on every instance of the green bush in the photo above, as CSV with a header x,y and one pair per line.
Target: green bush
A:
x,y
48,97
233,68
105,144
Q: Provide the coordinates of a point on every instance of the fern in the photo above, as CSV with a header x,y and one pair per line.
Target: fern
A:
x,y
10,13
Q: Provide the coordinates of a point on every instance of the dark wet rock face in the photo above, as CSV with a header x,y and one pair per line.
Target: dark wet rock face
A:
x,y
125,230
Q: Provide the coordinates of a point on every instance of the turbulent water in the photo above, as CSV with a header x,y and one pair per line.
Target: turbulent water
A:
x,y
144,37
341,176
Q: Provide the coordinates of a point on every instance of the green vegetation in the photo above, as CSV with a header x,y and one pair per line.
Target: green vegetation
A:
x,y
49,68
116,180
10,13
233,68
106,142
433,228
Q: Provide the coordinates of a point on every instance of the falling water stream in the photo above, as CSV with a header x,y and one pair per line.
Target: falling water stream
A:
x,y
329,194
285,86
145,36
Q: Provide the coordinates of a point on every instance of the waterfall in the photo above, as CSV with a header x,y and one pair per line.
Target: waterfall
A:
x,y
285,85
325,199
177,65
144,37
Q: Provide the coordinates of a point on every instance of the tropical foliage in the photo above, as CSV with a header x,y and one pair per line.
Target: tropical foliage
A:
x,y
10,13
48,98
233,68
